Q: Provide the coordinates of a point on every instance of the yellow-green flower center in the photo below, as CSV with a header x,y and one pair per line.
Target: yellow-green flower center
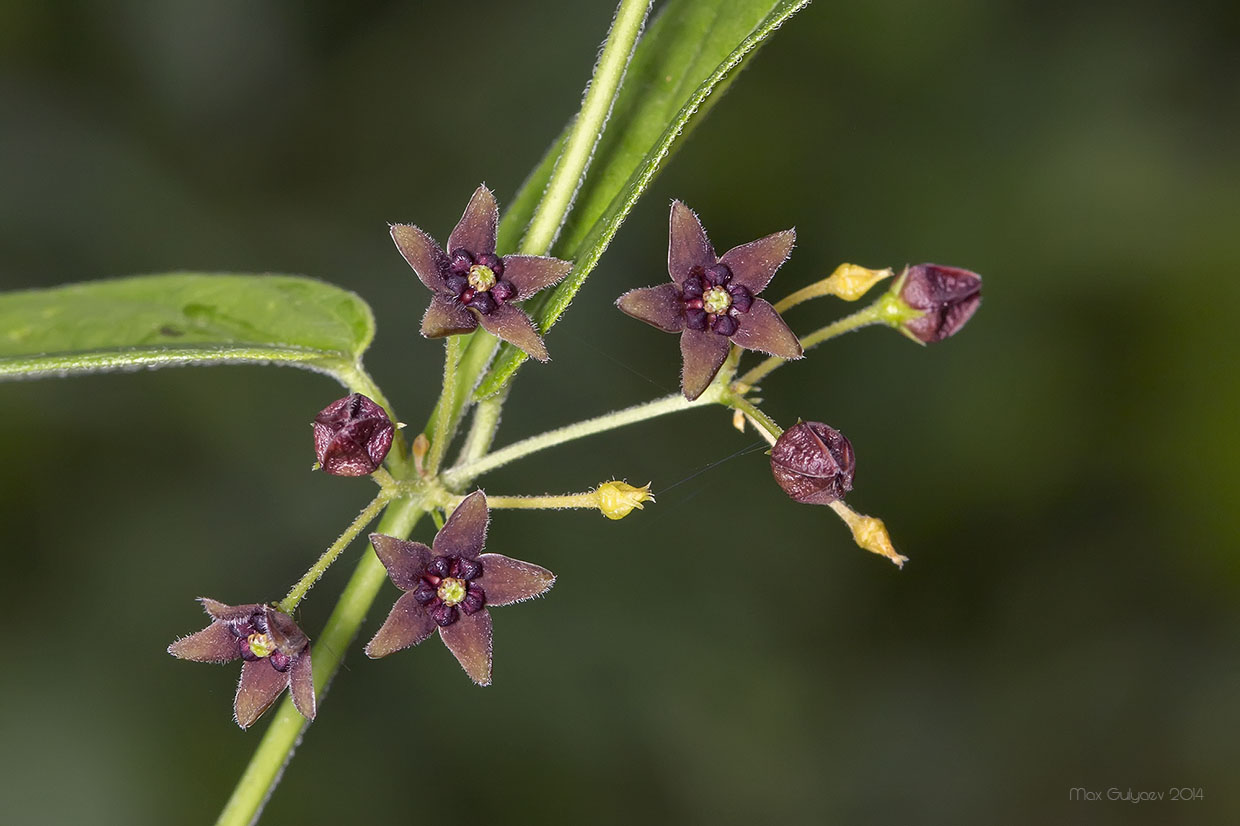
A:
x,y
452,590
481,277
716,300
261,645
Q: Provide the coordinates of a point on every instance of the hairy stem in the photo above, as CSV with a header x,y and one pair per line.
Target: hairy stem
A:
x,y
462,475
588,127
298,591
588,500
444,425
764,423
282,736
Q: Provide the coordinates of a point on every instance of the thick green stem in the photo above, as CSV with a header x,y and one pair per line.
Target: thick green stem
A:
x,y
298,591
763,422
462,475
586,130
444,424
285,731
872,314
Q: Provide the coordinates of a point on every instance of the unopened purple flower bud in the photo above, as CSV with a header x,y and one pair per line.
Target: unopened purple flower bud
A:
x,y
813,463
352,436
947,297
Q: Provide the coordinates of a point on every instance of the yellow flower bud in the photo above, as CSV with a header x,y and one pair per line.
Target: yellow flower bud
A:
x,y
850,281
868,532
617,500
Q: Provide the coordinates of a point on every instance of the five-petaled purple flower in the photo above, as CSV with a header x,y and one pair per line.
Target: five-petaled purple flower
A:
x,y
449,586
472,284
712,299
275,651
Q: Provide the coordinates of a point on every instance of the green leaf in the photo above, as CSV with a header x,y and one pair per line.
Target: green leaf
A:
x,y
183,318
690,53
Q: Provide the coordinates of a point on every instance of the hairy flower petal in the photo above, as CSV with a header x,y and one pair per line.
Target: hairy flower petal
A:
x,y
258,688
423,254
762,329
703,352
301,685
475,232
657,306
444,317
754,264
506,580
214,644
229,613
469,640
405,560
465,532
515,327
407,624
531,273
687,245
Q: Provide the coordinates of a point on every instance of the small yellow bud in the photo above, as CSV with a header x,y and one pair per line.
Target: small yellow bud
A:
x,y
420,446
617,500
869,533
850,281
738,420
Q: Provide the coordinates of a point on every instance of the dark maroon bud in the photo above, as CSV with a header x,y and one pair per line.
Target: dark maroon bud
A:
x,y
692,288
947,297
280,661
813,463
351,437
444,615
474,598
719,275
492,262
456,283
462,261
695,318
484,303
425,593
503,290
725,325
440,566
470,569
742,299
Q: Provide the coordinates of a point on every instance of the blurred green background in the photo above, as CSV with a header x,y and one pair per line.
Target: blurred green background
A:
x,y
1061,474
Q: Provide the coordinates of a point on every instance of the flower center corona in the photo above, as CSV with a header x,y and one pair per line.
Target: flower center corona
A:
x,y
481,277
716,300
451,590
261,645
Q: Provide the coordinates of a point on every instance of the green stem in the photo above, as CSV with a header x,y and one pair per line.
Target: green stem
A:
x,y
287,727
864,317
588,127
588,500
462,475
444,424
482,429
760,419
298,591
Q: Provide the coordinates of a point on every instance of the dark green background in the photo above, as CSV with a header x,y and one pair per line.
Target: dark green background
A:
x,y
1061,474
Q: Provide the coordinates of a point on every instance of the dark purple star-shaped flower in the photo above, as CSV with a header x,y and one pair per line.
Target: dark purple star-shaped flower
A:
x,y
711,300
473,285
449,586
275,651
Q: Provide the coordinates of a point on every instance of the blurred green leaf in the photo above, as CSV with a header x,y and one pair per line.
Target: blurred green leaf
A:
x,y
691,51
179,319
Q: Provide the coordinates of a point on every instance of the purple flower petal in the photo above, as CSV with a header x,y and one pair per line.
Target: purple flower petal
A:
x,y
469,640
423,254
284,632
475,231
762,329
657,306
506,580
407,624
405,561
229,613
687,245
258,688
515,327
531,273
466,529
754,264
213,644
444,317
703,352
301,685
